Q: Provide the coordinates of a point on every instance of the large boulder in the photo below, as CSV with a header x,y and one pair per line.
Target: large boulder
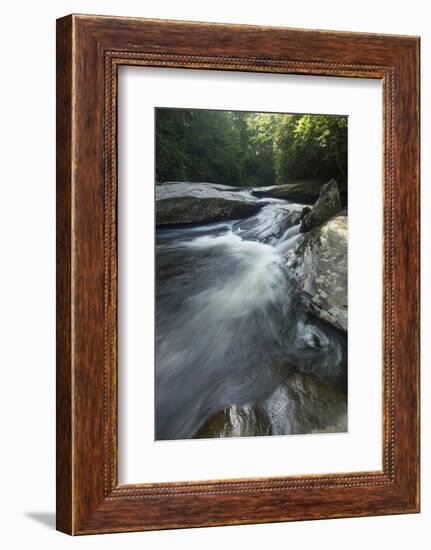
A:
x,y
319,266
304,191
327,205
187,203
194,210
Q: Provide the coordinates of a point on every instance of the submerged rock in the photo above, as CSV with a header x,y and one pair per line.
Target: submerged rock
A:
x,y
186,203
321,351
326,206
304,191
309,336
319,266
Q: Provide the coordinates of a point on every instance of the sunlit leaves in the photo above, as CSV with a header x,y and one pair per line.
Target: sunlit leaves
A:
x,y
243,148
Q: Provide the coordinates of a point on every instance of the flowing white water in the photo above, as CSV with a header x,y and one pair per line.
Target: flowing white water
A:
x,y
257,281
229,321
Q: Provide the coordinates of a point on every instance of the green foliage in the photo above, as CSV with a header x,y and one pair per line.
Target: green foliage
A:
x,y
194,145
311,146
260,164
248,149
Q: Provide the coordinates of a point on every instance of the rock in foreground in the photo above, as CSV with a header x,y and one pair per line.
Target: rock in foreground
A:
x,y
319,265
236,421
304,404
301,404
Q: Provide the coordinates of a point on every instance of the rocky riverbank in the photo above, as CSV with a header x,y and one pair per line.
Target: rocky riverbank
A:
x,y
319,263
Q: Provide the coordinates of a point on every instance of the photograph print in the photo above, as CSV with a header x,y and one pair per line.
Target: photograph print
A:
x,y
251,273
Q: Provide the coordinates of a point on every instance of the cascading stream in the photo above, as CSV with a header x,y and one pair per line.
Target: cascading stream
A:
x,y
231,328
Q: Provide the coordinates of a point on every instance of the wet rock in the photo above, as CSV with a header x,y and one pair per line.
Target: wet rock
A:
x,y
187,203
171,189
269,224
193,210
303,404
319,266
236,421
304,191
327,205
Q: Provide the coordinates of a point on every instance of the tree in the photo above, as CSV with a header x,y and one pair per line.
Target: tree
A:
x,y
197,145
311,146
261,129
249,149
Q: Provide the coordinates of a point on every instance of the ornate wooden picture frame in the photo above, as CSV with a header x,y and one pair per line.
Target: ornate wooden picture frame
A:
x,y
89,51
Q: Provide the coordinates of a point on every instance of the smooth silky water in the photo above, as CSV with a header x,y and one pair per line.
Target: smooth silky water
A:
x,y
232,333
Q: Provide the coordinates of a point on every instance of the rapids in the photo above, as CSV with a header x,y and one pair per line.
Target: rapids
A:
x,y
230,325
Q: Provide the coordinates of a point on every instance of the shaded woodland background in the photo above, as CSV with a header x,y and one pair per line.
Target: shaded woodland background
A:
x,y
249,149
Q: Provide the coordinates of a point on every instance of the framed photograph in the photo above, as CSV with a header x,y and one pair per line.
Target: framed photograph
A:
x,y
237,274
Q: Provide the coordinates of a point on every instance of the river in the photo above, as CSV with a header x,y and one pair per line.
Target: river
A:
x,y
232,334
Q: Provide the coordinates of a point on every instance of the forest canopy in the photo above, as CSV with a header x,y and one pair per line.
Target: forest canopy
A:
x,y
249,149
